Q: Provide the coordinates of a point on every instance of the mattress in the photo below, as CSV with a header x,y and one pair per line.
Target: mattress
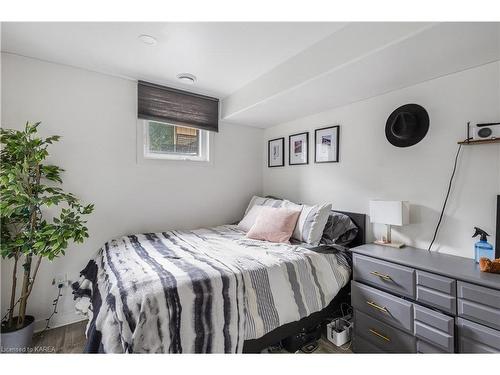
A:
x,y
201,291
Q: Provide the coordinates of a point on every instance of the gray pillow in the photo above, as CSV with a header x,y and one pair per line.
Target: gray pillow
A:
x,y
339,230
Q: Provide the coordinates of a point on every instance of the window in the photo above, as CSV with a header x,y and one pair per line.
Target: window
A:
x,y
167,141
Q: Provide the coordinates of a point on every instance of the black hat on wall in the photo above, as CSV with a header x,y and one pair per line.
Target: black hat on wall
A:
x,y
407,125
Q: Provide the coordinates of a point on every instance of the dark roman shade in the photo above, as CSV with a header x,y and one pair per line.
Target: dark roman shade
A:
x,y
177,107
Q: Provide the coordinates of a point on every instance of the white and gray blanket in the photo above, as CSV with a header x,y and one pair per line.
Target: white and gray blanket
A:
x,y
200,291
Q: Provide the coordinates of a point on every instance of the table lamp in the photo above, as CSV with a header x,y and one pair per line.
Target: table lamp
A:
x,y
390,213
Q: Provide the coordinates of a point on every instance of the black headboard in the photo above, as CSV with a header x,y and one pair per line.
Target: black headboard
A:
x,y
360,221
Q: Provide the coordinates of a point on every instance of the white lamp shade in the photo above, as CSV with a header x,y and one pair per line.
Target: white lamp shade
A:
x,y
390,212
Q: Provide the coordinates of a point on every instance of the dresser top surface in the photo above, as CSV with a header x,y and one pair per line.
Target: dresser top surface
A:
x,y
455,267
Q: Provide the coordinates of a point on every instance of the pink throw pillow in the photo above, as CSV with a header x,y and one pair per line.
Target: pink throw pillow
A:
x,y
274,224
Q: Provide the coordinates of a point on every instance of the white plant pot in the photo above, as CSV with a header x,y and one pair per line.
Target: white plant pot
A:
x,y
18,341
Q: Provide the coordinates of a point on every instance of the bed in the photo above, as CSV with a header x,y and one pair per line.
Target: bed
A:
x,y
208,290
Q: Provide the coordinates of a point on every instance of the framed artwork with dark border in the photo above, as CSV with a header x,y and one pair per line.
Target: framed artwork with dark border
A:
x,y
326,144
298,149
276,152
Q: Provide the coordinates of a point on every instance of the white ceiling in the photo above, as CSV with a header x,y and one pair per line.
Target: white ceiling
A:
x,y
223,56
266,73
358,62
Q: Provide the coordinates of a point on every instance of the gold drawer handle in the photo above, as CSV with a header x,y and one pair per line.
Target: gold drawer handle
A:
x,y
381,275
375,306
379,335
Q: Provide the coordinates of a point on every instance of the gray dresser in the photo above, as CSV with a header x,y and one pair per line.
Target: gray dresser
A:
x,y
411,301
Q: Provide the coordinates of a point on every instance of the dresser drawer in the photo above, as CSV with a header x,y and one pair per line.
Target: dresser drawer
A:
x,y
384,275
425,348
383,306
360,345
479,304
476,338
381,335
467,345
435,328
436,291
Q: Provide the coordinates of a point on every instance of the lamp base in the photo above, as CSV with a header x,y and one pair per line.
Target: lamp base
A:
x,y
397,245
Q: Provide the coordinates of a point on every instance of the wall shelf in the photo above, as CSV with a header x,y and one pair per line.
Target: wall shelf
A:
x,y
480,141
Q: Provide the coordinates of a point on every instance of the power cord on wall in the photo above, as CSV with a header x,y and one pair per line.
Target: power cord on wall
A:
x,y
55,302
446,199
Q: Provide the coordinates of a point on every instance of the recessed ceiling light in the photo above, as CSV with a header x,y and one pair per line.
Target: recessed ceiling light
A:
x,y
148,39
187,78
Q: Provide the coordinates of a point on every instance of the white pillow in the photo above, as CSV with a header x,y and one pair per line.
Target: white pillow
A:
x,y
249,219
311,222
259,201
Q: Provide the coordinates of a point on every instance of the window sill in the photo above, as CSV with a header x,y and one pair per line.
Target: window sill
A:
x,y
176,158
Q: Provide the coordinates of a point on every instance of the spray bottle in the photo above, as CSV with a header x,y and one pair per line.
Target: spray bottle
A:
x,y
482,248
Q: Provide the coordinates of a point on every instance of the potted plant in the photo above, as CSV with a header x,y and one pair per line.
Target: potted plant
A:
x,y
29,233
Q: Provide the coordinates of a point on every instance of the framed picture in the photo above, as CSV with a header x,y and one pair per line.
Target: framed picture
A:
x,y
298,149
276,152
326,148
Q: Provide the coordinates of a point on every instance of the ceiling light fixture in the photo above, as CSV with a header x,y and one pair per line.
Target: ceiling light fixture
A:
x,y
148,39
187,78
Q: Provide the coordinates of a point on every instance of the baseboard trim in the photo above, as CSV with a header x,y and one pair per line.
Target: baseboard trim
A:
x,y
61,321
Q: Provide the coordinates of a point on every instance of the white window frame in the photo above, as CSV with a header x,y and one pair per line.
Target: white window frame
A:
x,y
204,149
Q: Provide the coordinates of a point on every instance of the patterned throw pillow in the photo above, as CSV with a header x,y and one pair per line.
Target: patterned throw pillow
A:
x,y
259,201
311,222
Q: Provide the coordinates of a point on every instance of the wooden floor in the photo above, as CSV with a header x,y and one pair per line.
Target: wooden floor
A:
x,y
71,339
66,339
324,347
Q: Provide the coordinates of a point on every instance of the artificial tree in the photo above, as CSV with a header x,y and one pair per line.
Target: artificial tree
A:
x,y
30,229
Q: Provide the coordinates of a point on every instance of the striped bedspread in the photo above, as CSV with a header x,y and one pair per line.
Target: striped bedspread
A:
x,y
200,291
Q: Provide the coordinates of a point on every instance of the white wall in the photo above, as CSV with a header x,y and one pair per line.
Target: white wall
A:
x,y
370,167
96,116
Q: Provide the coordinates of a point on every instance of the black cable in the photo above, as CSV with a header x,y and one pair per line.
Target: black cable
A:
x,y
446,199
54,311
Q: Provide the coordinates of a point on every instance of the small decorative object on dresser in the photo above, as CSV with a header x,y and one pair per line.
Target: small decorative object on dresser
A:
x,y
326,147
488,265
276,152
298,149
389,213
412,301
